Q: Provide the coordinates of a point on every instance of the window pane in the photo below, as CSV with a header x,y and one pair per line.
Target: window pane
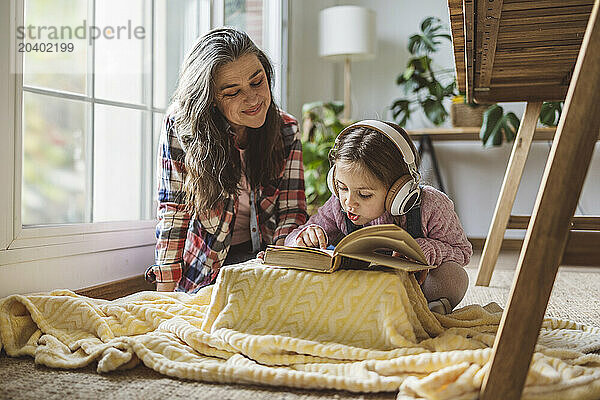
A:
x,y
175,31
55,25
247,16
120,55
54,172
117,163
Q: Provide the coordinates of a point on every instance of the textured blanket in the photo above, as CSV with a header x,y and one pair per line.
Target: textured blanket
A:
x,y
361,331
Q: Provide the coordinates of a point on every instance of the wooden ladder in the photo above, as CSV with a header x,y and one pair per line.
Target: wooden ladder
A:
x,y
549,228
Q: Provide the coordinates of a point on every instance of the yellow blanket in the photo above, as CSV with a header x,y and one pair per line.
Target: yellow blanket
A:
x,y
362,331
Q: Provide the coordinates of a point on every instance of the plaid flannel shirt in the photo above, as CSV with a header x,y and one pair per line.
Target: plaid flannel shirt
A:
x,y
190,249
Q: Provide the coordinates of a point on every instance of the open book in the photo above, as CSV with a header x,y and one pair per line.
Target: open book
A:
x,y
363,248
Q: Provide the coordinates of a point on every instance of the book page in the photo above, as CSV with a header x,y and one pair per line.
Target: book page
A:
x,y
367,244
299,249
392,262
383,236
307,258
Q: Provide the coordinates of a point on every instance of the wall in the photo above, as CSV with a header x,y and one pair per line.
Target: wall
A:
x,y
472,175
373,81
74,272
309,77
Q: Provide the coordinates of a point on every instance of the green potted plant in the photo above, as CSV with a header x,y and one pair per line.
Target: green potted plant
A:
x,y
321,124
498,126
424,86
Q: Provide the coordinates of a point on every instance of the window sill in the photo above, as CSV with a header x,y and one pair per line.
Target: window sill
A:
x,y
34,248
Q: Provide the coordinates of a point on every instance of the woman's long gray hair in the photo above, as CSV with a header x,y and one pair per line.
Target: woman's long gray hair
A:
x,y
212,162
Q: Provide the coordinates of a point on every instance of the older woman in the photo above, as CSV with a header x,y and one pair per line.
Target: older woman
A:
x,y
229,165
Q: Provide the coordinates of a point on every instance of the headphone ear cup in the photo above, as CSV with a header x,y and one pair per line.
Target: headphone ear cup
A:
x,y
400,197
331,181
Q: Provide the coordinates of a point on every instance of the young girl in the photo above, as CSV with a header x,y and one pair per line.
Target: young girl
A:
x,y
374,181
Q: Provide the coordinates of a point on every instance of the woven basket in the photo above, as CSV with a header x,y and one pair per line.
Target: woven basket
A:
x,y
464,115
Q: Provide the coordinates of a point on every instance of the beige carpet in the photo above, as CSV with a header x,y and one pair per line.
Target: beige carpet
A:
x,y
575,297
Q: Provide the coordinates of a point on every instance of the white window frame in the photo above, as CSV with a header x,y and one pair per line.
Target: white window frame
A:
x,y
35,243
7,113
18,244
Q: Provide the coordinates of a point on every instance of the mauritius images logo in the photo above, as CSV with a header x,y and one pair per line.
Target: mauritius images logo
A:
x,y
126,31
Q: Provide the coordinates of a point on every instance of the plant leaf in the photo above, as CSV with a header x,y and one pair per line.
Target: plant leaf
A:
x,y
407,74
308,107
450,90
426,23
336,106
414,43
510,126
420,64
436,90
401,111
550,113
418,80
427,40
434,110
490,119
496,126
324,117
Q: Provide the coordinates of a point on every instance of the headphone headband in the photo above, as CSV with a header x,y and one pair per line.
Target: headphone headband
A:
x,y
391,133
399,141
404,194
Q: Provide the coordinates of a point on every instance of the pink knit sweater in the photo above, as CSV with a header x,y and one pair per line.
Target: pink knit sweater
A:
x,y
444,240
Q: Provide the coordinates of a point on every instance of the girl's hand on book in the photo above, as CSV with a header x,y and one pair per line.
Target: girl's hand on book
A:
x,y
312,236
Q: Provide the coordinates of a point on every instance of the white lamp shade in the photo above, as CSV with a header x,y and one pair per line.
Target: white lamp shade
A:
x,y
347,32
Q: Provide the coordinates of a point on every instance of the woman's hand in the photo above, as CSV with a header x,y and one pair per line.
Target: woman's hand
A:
x,y
165,286
312,236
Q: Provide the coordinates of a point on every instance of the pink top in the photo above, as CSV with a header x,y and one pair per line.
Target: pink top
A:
x,y
241,229
444,240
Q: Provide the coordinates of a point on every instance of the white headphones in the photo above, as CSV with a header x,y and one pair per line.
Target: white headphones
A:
x,y
404,194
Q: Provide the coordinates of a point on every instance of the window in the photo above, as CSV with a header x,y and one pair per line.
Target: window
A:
x,y
246,15
89,110
87,133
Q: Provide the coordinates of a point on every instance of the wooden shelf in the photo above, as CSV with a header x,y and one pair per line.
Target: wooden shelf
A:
x,y
516,50
469,133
